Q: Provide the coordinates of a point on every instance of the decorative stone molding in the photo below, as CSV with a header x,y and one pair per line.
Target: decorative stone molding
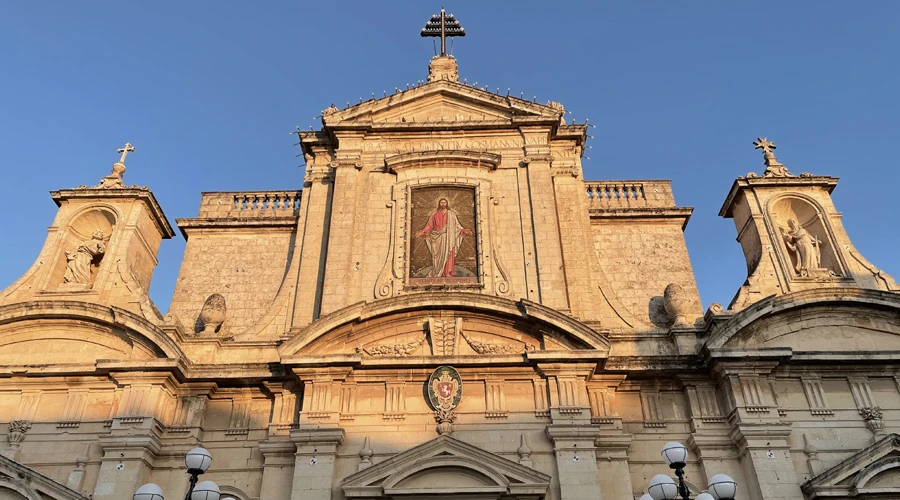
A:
x,y
392,350
365,455
677,304
524,451
493,349
874,419
212,315
538,158
15,437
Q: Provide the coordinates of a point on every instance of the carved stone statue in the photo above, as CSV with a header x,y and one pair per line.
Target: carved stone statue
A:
x,y
677,304
212,315
78,261
805,246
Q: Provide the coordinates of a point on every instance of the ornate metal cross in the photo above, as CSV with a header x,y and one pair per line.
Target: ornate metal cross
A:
x,y
443,25
127,149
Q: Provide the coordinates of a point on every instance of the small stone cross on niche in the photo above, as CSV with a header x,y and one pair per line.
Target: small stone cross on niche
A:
x,y
127,149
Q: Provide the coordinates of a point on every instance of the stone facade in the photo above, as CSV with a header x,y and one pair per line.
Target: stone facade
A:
x,y
445,225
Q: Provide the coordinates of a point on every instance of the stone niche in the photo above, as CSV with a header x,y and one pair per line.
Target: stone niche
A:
x,y
80,233
799,226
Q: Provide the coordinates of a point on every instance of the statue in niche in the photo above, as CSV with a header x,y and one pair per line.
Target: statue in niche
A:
x,y
79,260
804,246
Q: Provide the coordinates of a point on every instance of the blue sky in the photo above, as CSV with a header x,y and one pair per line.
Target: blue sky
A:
x,y
209,91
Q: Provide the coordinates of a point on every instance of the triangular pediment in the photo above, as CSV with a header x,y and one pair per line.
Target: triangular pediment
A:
x,y
873,472
446,466
19,481
441,102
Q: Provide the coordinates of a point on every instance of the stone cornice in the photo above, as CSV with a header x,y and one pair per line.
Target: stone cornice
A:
x,y
142,194
825,182
440,158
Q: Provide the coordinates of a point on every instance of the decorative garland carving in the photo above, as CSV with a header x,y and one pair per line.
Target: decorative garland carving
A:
x,y
489,349
392,350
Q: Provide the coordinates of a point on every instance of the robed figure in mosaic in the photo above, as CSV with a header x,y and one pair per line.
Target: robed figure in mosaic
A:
x,y
443,235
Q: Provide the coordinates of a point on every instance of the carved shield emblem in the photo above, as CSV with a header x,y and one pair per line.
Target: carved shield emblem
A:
x,y
444,388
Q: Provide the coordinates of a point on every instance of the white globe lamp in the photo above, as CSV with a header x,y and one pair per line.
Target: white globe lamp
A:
x,y
148,492
206,490
722,487
662,487
197,460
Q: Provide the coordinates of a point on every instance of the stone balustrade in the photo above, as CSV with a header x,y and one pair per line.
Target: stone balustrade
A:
x,y
247,204
629,194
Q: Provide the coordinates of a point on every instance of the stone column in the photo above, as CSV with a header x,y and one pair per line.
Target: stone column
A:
x,y
278,468
576,460
314,464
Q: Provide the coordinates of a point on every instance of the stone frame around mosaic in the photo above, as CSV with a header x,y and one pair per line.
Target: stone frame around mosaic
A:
x,y
403,205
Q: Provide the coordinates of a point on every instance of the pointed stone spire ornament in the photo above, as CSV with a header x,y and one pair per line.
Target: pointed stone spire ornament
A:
x,y
773,168
524,451
365,455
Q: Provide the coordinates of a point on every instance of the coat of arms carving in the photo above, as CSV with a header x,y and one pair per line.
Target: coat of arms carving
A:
x,y
444,394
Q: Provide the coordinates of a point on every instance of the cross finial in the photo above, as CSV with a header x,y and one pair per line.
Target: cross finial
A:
x,y
127,149
773,168
764,144
443,25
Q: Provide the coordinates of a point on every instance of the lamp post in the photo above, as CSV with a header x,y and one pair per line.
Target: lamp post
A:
x,y
663,487
197,462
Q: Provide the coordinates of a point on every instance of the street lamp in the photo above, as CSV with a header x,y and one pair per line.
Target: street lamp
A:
x,y
197,462
148,492
663,487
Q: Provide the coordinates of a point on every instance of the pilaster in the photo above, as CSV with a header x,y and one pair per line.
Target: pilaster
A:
x,y
278,468
576,460
765,457
128,458
342,243
612,464
315,217
314,462
544,219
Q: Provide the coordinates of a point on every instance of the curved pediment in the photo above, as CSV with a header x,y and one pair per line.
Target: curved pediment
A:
x,y
70,332
825,319
447,467
443,324
442,158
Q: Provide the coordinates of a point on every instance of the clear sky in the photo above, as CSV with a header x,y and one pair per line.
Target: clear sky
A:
x,y
208,93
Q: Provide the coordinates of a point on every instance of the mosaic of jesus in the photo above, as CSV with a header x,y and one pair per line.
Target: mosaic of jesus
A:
x,y
443,220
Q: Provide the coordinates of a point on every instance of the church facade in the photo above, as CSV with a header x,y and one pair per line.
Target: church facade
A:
x,y
448,308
